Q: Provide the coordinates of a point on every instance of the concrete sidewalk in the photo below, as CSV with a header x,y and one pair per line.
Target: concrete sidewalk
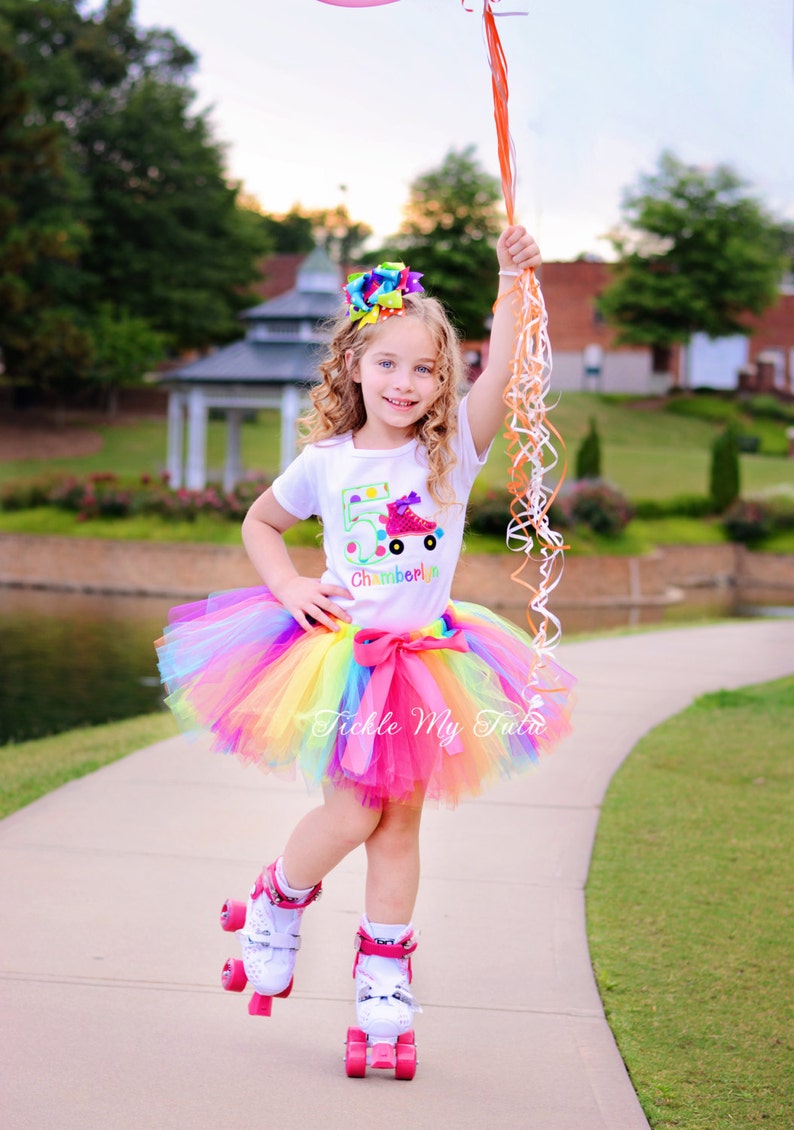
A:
x,y
111,950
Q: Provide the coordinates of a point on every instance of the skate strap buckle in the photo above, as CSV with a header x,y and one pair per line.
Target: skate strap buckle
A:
x,y
268,883
372,946
273,941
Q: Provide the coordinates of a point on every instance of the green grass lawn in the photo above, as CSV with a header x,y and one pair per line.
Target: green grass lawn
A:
x,y
133,449
30,769
690,913
647,452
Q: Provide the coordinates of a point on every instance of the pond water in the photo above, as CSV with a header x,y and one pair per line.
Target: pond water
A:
x,y
76,659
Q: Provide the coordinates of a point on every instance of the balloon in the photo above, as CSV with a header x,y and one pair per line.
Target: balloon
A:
x,y
357,3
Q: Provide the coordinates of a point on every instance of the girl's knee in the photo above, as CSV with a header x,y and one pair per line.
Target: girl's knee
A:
x,y
354,822
399,824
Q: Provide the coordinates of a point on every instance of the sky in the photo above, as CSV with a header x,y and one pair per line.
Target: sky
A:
x,y
320,105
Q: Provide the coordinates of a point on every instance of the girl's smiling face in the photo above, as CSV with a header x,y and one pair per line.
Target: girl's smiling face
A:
x,y
398,382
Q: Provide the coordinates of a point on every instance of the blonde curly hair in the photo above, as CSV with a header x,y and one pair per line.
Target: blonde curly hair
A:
x,y
338,404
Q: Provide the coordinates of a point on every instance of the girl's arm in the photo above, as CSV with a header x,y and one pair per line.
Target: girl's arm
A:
x,y
303,597
516,250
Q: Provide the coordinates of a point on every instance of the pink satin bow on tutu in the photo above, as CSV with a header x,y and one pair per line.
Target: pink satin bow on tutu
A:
x,y
382,651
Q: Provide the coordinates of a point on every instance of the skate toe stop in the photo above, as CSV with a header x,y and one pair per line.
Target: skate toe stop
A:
x,y
382,1055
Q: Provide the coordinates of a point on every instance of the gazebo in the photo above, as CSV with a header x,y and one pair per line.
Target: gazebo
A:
x,y
270,368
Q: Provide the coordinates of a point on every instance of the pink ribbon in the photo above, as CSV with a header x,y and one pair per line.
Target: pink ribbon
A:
x,y
382,651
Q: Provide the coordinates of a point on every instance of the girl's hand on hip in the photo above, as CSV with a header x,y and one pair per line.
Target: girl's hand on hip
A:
x,y
517,250
308,600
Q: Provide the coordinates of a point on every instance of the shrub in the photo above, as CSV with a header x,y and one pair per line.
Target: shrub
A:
x,y
748,520
103,495
780,505
717,408
770,408
27,494
724,486
588,457
491,514
679,506
597,505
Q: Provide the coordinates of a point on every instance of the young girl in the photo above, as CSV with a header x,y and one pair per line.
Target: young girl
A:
x,y
369,679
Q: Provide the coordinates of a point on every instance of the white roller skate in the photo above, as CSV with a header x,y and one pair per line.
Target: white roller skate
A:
x,y
268,926
384,1005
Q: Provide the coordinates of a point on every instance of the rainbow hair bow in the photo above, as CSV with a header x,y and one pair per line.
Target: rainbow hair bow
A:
x,y
379,293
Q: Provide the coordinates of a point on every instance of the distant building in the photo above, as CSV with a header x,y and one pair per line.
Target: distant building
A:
x,y
762,360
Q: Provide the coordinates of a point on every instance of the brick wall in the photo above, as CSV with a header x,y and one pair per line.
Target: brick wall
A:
x,y
157,568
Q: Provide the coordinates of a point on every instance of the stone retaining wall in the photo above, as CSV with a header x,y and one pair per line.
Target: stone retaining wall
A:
x,y
181,570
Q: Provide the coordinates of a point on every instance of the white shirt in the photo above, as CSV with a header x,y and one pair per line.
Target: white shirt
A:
x,y
385,540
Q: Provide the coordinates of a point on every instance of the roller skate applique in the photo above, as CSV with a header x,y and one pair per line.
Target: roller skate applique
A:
x,y
385,1006
268,926
401,522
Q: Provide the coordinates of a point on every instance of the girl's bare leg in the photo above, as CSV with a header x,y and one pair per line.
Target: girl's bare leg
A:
x,y
326,835
393,864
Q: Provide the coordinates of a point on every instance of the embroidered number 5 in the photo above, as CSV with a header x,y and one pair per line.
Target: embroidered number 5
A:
x,y
364,520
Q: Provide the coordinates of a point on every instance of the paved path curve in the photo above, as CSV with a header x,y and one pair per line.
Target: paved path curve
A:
x,y
113,1013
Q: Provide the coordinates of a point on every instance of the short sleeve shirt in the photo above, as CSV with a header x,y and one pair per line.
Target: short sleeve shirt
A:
x,y
385,539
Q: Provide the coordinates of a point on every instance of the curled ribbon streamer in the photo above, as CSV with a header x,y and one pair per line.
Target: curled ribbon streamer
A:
x,y
530,437
382,651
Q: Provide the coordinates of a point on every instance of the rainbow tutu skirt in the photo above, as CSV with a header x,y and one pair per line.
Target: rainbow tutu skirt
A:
x,y
441,712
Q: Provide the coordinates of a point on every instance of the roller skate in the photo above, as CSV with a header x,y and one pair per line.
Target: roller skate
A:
x,y
401,522
268,926
384,1006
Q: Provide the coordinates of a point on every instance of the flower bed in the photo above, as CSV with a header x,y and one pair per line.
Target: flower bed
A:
x,y
105,495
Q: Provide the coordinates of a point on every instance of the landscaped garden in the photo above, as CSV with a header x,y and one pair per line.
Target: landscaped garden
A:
x,y
655,454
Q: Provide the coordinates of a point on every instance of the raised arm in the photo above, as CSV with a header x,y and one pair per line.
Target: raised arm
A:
x,y
263,536
515,251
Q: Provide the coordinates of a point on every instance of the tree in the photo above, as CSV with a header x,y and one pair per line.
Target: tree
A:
x,y
123,349
40,240
588,456
696,254
290,234
452,221
149,221
724,472
298,232
169,242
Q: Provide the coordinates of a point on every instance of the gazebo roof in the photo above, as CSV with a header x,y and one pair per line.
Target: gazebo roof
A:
x,y
262,363
275,355
315,305
316,295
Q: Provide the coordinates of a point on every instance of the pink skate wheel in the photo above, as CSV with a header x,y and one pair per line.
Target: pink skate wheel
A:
x,y
232,915
356,1054
406,1058
233,976
286,992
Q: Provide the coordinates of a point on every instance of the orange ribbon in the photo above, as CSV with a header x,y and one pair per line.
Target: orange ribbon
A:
x,y
529,435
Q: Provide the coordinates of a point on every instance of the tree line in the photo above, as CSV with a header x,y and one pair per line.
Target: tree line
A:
x,y
123,241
